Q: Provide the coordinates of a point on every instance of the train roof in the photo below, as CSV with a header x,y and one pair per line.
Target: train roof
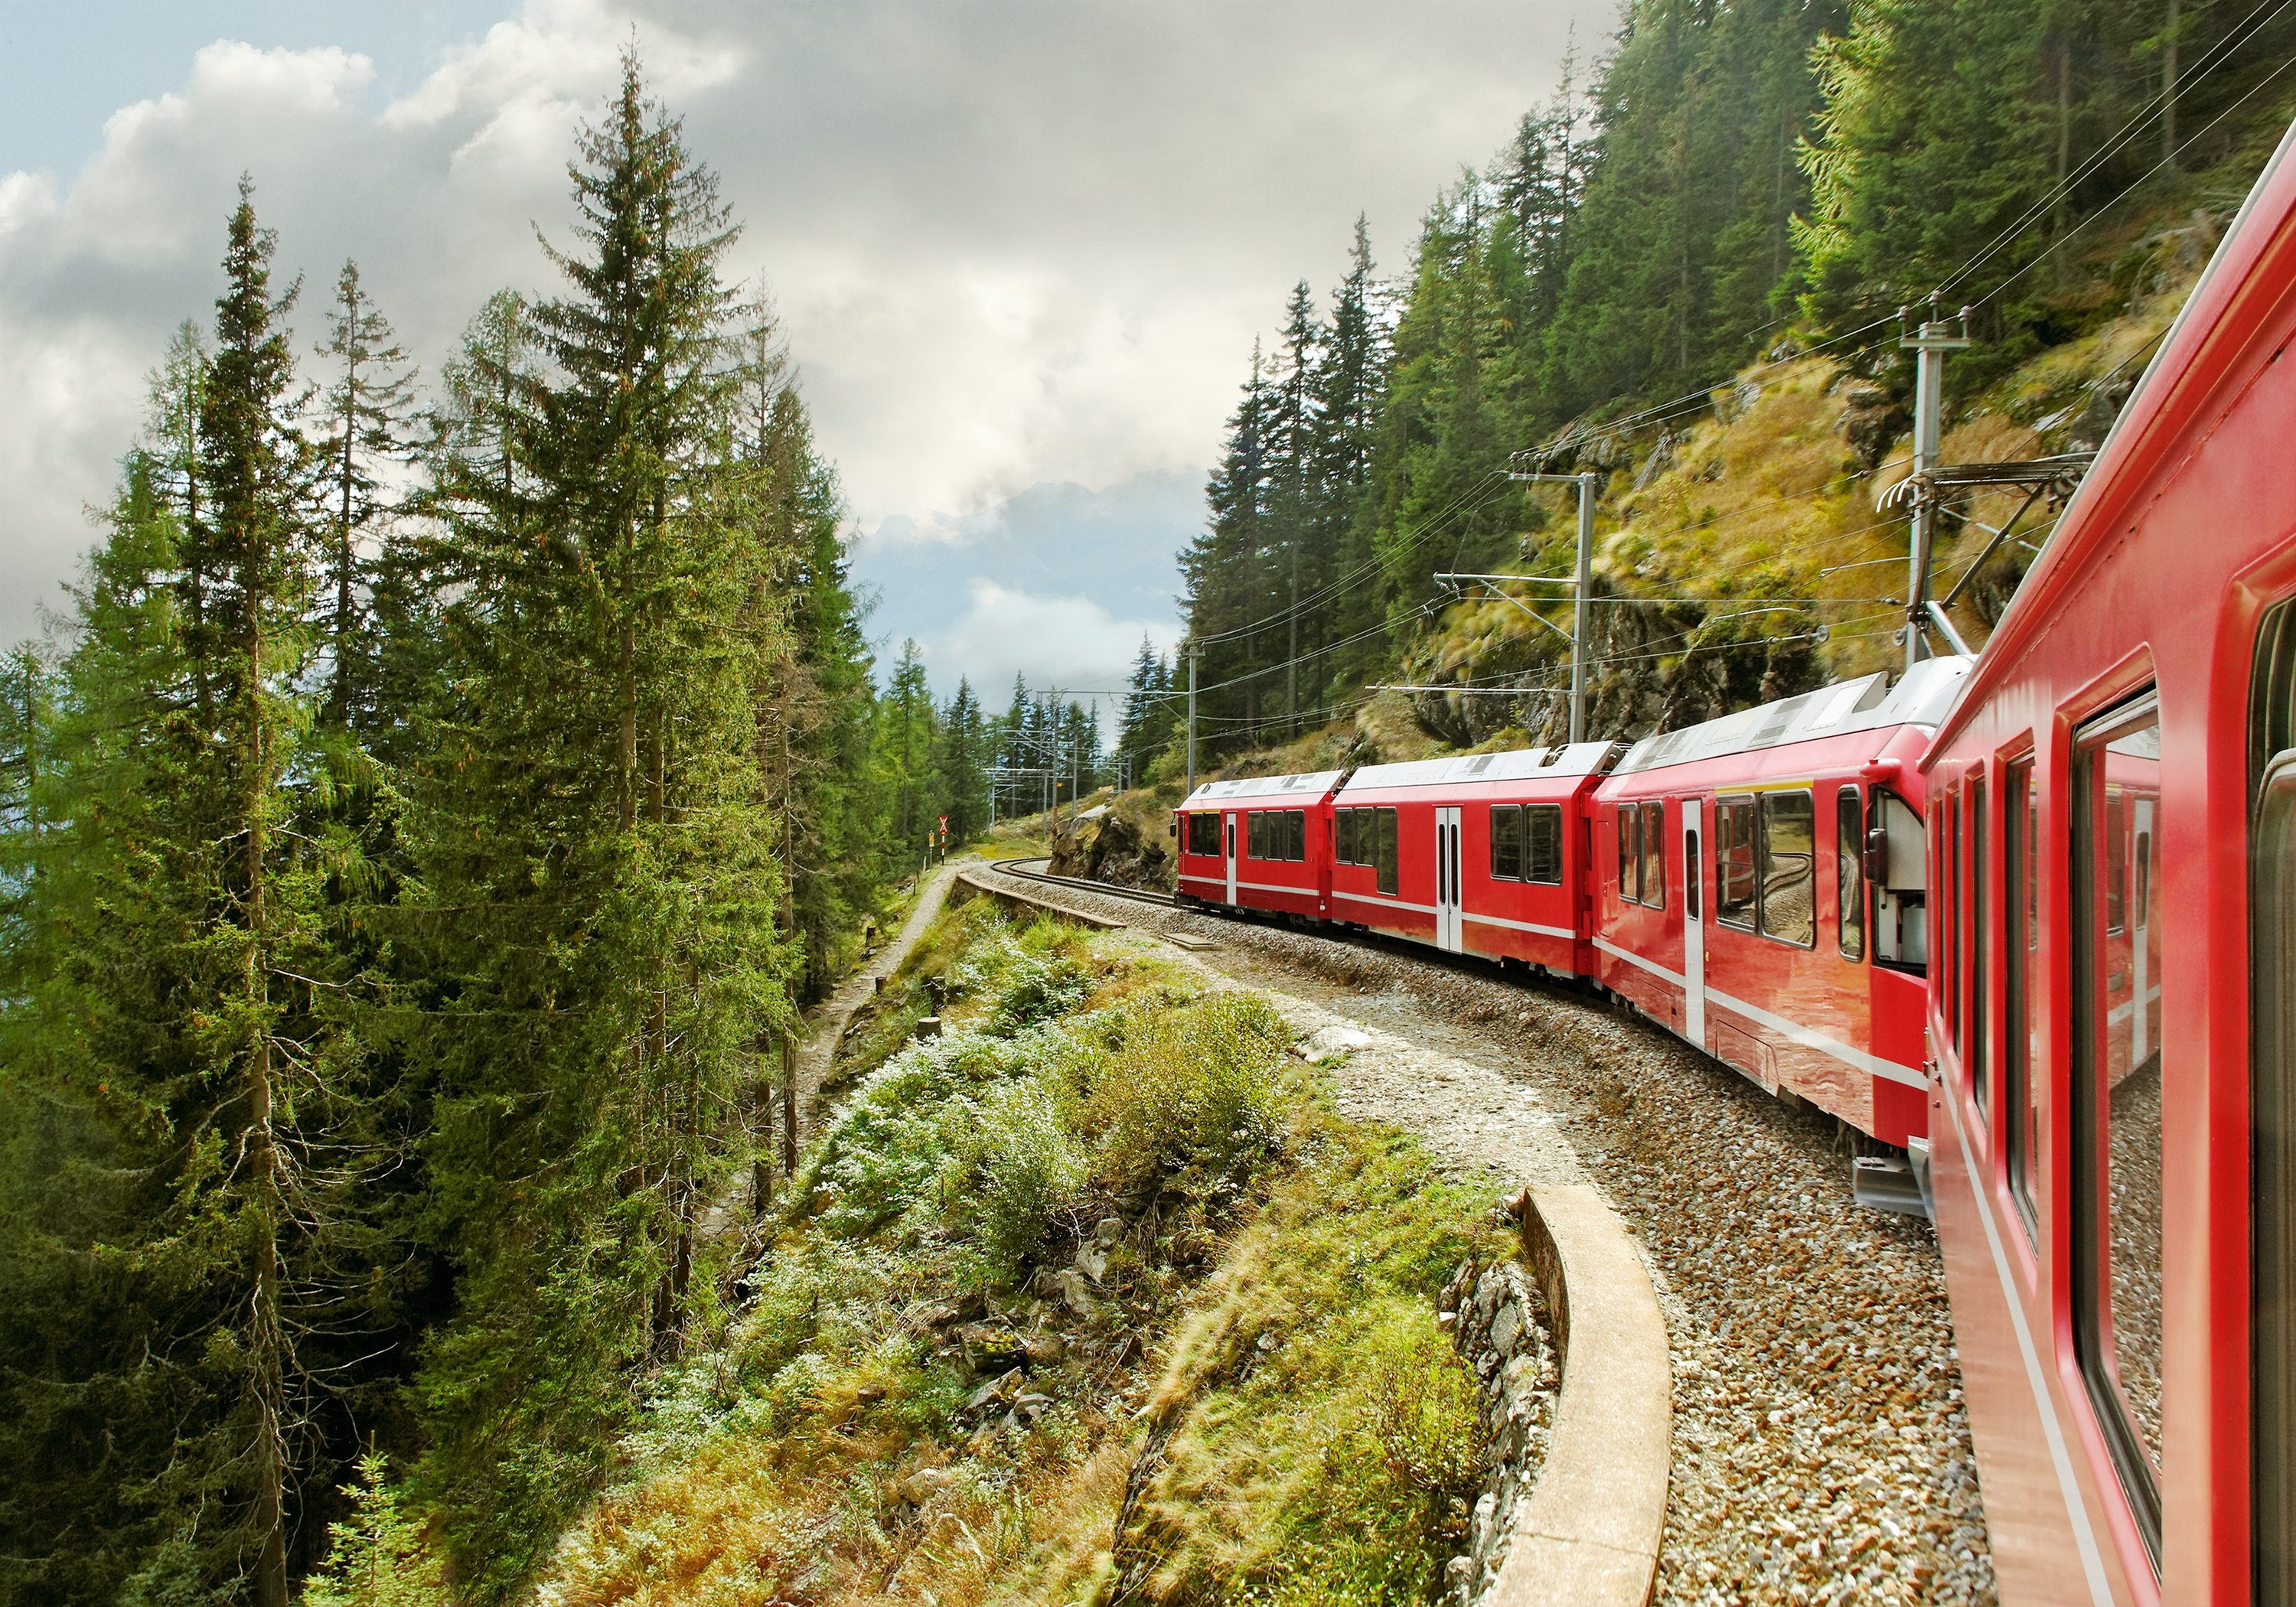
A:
x,y
1315,782
1569,760
1921,697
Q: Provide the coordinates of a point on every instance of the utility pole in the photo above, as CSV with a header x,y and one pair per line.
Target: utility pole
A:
x,y
1194,657
1930,343
1580,588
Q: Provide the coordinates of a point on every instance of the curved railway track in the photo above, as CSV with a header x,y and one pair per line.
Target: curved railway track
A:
x,y
1821,1452
1011,867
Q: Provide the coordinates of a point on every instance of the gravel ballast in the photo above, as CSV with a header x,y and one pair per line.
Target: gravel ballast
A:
x,y
1821,1450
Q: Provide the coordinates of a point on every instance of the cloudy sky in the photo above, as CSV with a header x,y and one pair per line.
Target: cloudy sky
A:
x,y
1020,250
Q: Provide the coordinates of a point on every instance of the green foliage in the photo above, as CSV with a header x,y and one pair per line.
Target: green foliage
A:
x,y
1738,183
375,1557
393,915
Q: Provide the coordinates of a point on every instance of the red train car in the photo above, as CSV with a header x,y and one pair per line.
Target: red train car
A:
x,y
1262,843
2114,989
1482,854
1762,885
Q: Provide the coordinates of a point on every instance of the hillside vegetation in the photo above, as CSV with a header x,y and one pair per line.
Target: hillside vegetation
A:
x,y
1092,1295
1688,279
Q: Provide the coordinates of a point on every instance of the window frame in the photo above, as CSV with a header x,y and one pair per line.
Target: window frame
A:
x,y
1505,824
1727,808
1212,818
1763,801
2020,1119
2139,1486
1385,829
1653,839
1551,814
1978,1059
1631,851
1849,873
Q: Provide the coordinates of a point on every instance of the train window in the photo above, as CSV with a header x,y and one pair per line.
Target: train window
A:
x,y
1343,836
2020,1112
1630,853
1899,899
1204,834
1506,843
1543,843
1255,834
1734,862
1949,824
2115,1181
1653,841
1789,861
1382,853
1848,872
1980,946
2272,965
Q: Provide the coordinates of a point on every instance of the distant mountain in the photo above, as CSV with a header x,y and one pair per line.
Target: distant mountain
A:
x,y
1057,583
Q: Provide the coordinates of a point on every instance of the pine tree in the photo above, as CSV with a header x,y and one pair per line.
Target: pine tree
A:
x,y
960,782
179,1019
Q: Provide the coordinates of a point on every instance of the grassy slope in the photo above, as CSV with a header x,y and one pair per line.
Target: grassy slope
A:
x,y
1253,1403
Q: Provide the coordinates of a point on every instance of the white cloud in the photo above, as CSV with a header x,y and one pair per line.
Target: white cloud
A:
x,y
1011,242
1056,642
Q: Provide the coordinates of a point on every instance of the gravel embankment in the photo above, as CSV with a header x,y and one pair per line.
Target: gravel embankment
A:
x,y
1821,1453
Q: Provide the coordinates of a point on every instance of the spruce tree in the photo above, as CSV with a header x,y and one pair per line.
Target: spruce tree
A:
x,y
599,851
367,407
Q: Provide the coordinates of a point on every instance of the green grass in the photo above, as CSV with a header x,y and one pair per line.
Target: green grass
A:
x,y
1257,1366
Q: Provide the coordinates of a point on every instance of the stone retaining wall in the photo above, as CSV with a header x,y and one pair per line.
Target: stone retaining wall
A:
x,y
1497,1322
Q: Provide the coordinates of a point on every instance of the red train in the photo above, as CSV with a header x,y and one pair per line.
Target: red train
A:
x,y
1757,884
2112,1014
2107,910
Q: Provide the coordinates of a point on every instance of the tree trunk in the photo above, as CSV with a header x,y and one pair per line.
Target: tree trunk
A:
x,y
265,1341
2168,90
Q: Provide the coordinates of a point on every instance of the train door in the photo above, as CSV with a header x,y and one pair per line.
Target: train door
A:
x,y
1447,923
1693,926
1231,858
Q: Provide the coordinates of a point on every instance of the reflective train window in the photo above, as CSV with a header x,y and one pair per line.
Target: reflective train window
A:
x,y
1898,866
1980,1056
1789,896
1543,843
1630,853
1255,835
1948,818
1506,843
1849,873
2116,1183
2021,1081
1382,853
1343,836
1653,841
1204,834
2272,982
1734,862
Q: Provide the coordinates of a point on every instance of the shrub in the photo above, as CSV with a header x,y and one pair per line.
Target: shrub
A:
x,y
1202,1085
1020,1170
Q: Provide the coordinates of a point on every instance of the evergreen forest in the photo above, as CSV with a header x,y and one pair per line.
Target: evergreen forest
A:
x,y
415,846
1740,199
